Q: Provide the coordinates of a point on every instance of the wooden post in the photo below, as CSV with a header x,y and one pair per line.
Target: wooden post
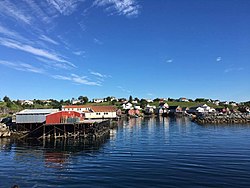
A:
x,y
64,129
54,132
44,132
74,131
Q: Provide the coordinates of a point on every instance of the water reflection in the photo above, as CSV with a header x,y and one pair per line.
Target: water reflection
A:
x,y
56,153
141,152
5,144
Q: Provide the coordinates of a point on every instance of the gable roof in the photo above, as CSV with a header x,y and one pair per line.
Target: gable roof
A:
x,y
37,111
94,108
173,107
103,108
77,106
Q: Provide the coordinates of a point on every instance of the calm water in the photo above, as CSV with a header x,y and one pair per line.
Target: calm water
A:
x,y
140,153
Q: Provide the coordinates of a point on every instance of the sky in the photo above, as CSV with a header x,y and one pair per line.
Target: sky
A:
x,y
145,48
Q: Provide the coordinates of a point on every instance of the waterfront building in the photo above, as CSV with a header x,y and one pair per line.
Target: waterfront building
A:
x,y
64,117
33,116
202,109
127,106
101,112
77,108
93,112
133,112
149,109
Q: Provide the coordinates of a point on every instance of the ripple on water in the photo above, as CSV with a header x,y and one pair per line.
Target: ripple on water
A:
x,y
140,153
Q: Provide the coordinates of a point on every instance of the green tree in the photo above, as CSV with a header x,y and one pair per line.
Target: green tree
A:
x,y
108,99
130,98
83,99
137,99
6,99
143,103
156,100
200,100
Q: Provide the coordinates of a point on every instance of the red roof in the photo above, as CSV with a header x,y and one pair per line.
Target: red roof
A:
x,y
94,108
104,108
77,106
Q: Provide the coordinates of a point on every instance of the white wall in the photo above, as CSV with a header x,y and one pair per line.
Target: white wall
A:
x,y
100,115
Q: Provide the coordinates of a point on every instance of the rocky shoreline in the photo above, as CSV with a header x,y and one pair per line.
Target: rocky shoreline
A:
x,y
223,119
4,131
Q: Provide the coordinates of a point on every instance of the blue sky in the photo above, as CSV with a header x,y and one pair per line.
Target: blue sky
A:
x,y
144,48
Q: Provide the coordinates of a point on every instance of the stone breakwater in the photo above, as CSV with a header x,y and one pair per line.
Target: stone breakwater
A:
x,y
223,119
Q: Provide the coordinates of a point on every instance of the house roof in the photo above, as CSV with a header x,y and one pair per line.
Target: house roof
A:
x,y
77,106
173,107
103,108
94,108
195,107
37,111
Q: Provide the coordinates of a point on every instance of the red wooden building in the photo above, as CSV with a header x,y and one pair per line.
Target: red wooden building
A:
x,y
64,117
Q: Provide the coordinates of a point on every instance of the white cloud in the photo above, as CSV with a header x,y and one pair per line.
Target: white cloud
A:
x,y
22,67
170,61
32,50
65,7
123,89
53,64
218,59
47,39
97,41
77,79
98,74
12,34
120,7
37,11
79,52
59,77
233,69
11,10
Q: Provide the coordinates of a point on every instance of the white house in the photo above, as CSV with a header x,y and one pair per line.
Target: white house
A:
x,y
75,101
113,99
150,109
127,106
27,102
101,112
149,100
182,99
134,101
202,109
233,104
225,103
98,100
93,112
77,108
216,102
137,107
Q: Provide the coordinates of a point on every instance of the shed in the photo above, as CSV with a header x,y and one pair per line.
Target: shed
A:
x,y
33,115
64,117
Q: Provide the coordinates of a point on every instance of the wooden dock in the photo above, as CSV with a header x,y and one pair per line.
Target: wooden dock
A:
x,y
91,129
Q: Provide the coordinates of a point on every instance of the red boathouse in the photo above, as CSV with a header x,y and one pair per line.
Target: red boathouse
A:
x,y
64,117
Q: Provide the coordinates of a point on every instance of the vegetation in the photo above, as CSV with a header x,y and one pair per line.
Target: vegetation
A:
x,y
7,106
83,99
